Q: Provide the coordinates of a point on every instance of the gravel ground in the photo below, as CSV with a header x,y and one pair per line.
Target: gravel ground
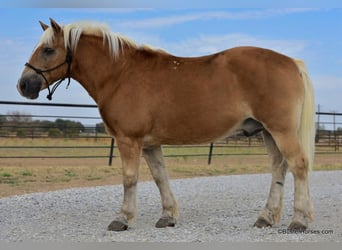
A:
x,y
211,209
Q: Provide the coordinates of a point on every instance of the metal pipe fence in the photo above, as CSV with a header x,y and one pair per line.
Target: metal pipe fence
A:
x,y
16,140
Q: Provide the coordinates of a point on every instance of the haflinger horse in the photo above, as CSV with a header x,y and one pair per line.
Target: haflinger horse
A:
x,y
148,98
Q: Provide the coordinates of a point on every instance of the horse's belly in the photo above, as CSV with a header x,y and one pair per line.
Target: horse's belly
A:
x,y
190,135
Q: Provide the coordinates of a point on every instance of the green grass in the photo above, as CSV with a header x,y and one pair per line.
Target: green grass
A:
x,y
8,178
5,175
69,173
26,173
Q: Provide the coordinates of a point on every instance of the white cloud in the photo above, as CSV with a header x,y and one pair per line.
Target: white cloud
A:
x,y
207,44
159,22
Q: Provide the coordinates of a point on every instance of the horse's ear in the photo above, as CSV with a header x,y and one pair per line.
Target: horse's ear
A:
x,y
44,26
55,26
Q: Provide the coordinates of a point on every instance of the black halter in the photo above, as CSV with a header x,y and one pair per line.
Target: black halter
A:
x,y
68,60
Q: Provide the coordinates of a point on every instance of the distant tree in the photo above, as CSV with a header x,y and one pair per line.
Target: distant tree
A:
x,y
22,132
16,120
100,127
3,120
45,125
22,124
18,117
69,128
54,132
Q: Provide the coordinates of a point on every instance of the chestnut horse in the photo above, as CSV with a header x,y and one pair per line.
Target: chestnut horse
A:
x,y
148,98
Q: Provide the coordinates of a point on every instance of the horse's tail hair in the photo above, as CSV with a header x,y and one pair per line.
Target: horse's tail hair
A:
x,y
307,127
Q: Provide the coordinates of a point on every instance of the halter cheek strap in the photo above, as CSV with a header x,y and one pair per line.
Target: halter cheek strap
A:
x,y
68,61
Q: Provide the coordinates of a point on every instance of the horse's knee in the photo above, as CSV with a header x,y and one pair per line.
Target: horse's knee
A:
x,y
130,180
299,167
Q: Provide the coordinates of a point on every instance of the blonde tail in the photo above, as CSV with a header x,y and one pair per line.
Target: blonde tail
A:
x,y
307,127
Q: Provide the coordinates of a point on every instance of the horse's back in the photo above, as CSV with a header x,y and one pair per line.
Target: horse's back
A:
x,y
270,82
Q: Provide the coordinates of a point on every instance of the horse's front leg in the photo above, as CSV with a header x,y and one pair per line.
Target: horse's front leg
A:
x,y
130,152
155,160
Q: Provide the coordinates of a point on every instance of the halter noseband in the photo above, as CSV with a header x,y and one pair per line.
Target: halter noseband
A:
x,y
68,60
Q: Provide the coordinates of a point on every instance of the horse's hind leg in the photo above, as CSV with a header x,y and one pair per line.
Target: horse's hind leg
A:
x,y
155,160
272,211
297,161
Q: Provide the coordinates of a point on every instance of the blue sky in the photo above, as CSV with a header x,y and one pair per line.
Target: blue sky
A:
x,y
312,34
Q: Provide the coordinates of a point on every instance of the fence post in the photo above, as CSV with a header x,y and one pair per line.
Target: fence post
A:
x,y
335,134
210,152
111,151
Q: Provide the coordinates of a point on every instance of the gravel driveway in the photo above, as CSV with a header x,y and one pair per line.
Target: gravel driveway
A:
x,y
211,209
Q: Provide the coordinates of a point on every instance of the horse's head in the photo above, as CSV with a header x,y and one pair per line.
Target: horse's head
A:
x,y
50,62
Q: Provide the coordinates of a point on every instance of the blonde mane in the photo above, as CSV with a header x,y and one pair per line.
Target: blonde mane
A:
x,y
72,34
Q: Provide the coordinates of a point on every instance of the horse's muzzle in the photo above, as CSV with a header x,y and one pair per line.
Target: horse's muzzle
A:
x,y
30,86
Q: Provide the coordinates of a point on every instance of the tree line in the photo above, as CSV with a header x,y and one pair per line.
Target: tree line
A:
x,y
22,124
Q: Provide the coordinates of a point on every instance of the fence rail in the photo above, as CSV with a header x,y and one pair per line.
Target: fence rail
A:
x,y
93,144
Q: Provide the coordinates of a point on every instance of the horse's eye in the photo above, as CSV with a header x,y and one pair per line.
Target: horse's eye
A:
x,y
48,51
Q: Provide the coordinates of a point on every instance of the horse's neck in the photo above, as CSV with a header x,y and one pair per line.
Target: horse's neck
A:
x,y
94,67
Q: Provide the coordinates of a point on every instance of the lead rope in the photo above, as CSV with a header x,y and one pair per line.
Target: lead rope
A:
x,y
68,60
54,87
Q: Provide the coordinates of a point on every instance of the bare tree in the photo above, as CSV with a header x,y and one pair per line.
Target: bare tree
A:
x,y
18,117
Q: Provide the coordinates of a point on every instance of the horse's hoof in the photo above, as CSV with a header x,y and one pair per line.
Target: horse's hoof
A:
x,y
166,221
261,223
118,225
297,226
